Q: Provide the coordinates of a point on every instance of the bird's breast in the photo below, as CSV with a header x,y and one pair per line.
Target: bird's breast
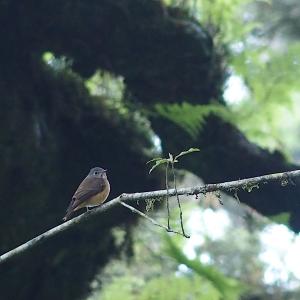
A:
x,y
100,197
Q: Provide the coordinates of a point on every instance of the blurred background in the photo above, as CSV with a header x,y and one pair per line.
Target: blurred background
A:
x,y
116,83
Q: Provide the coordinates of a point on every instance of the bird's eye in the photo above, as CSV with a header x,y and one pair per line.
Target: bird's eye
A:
x,y
96,173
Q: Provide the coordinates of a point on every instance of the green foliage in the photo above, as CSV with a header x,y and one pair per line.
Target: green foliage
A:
x,y
171,160
56,63
110,87
183,288
119,289
191,150
191,117
282,218
229,288
272,78
223,15
271,75
220,16
161,288
158,162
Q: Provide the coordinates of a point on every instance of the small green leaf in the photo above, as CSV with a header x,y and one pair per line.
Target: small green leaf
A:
x,y
158,163
154,159
282,218
187,152
48,56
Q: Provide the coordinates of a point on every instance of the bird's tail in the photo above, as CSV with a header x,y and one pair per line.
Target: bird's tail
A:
x,y
69,211
68,215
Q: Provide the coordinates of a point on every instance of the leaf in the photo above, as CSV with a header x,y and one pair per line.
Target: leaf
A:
x,y
191,118
158,163
154,159
187,152
282,218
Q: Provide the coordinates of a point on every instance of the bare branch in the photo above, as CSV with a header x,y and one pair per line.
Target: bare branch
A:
x,y
225,186
178,202
167,189
149,219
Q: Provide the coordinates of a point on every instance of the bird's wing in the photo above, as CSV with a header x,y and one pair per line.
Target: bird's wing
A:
x,y
88,188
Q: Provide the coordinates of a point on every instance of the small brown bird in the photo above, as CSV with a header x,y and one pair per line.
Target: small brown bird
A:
x,y
92,191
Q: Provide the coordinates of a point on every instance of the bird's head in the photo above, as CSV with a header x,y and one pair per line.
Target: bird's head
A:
x,y
98,172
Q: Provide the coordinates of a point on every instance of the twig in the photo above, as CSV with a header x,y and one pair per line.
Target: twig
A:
x,y
225,186
178,202
167,188
149,219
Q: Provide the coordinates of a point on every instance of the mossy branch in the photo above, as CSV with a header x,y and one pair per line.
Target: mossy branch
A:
x,y
283,178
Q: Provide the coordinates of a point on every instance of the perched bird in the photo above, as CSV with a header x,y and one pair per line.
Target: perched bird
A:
x,y
92,191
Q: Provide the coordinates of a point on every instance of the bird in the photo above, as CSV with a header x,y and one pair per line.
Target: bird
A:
x,y
92,191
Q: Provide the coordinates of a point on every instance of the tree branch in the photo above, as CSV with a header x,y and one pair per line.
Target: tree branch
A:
x,y
285,178
134,210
